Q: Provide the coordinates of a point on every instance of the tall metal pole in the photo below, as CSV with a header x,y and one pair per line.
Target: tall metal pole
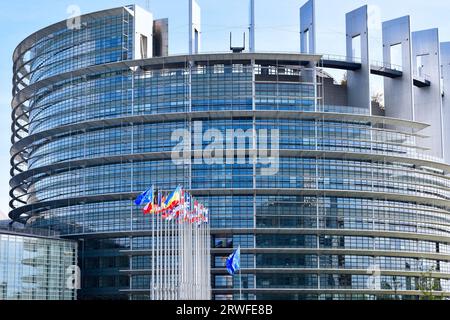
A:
x,y
158,257
164,252
153,259
171,262
252,26
240,284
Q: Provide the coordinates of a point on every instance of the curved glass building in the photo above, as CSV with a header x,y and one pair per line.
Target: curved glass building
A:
x,y
358,208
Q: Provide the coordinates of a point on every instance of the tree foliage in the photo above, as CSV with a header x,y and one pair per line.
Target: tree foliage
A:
x,y
429,285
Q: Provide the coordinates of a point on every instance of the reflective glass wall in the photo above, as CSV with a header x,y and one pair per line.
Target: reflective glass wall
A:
x,y
34,268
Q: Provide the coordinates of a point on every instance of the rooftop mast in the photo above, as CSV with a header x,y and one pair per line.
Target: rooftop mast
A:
x,y
252,26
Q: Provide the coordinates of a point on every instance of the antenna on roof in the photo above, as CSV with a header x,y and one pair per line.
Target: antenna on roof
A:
x,y
147,4
236,49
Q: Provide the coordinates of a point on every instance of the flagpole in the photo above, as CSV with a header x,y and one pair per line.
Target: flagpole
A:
x,y
153,260
240,273
240,284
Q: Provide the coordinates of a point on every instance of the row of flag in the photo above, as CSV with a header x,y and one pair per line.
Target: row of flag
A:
x,y
181,206
178,205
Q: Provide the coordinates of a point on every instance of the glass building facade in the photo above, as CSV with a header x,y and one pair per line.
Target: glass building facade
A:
x,y
354,192
36,268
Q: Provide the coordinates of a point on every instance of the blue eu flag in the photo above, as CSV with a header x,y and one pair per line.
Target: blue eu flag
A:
x,y
234,261
145,197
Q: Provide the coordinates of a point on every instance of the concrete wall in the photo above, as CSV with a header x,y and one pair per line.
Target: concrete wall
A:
x,y
308,27
195,30
398,92
334,94
445,62
143,27
358,82
428,100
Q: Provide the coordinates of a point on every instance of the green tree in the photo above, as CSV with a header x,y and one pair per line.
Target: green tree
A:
x,y
429,285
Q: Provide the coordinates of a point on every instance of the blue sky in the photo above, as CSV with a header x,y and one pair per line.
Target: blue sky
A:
x,y
277,25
